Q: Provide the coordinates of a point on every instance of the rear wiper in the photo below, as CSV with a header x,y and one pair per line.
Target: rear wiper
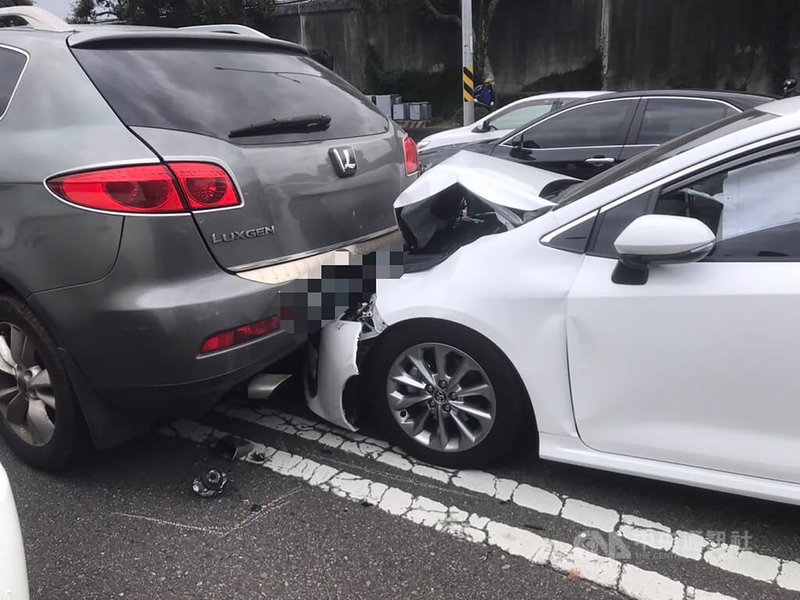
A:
x,y
304,124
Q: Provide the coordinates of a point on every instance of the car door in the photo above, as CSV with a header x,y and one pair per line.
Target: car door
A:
x,y
698,366
581,141
660,119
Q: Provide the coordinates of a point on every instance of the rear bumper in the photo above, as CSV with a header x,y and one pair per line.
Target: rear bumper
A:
x,y
13,571
131,341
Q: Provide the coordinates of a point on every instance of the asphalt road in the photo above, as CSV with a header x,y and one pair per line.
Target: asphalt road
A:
x,y
319,513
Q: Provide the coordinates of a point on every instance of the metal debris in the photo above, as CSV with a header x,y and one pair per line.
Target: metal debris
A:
x,y
233,448
210,484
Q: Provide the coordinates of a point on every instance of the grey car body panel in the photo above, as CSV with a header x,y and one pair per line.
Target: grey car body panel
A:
x,y
129,300
148,318
294,188
46,243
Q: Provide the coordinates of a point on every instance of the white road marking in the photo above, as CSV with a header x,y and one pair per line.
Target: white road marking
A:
x,y
560,556
783,573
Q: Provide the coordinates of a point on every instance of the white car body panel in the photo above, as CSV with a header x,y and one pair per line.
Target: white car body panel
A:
x,y
335,366
13,571
466,135
631,397
500,181
716,409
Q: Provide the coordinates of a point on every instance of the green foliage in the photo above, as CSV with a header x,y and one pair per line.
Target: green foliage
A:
x,y
174,13
587,77
7,3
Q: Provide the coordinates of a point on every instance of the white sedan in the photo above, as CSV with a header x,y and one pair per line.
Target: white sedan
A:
x,y
644,322
504,120
13,572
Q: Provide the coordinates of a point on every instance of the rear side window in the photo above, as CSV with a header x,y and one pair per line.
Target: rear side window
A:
x,y
600,124
668,118
12,63
214,91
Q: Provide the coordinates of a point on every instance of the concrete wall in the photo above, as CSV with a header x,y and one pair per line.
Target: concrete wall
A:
x,y
742,44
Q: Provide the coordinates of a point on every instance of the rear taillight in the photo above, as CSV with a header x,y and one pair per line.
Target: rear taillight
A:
x,y
240,335
205,185
412,157
148,189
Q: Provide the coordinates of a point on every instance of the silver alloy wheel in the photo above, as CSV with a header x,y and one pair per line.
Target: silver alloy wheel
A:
x,y
27,398
441,397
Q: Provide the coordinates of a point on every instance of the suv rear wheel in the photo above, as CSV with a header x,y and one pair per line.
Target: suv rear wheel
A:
x,y
39,414
445,394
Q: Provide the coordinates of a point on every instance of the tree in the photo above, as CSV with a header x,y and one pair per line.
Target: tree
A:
x,y
173,13
7,3
449,11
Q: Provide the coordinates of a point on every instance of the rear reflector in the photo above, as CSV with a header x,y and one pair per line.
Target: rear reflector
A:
x,y
240,335
412,157
149,189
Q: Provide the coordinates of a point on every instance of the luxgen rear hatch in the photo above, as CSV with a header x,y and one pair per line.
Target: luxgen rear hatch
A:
x,y
316,164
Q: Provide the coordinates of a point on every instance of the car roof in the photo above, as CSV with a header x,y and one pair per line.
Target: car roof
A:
x,y
742,100
41,22
102,36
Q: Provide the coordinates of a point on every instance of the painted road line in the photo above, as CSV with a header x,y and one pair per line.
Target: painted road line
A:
x,y
629,580
685,544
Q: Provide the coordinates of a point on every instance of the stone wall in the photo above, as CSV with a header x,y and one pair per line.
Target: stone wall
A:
x,y
549,44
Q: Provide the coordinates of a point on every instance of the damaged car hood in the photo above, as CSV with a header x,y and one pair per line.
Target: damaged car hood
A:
x,y
471,195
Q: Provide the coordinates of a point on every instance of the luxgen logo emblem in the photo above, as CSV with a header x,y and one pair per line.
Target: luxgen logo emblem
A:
x,y
344,161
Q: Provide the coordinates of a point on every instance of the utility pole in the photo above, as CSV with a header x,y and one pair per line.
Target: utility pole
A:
x,y
468,75
605,39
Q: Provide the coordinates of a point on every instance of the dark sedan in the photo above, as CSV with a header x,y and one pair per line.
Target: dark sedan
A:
x,y
585,138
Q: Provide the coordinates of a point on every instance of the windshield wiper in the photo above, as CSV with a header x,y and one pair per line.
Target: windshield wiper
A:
x,y
304,124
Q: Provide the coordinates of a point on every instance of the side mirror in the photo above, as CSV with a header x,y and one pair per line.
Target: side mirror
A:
x,y
659,240
518,149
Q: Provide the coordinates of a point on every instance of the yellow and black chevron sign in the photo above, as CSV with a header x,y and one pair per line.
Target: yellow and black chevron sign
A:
x,y
469,84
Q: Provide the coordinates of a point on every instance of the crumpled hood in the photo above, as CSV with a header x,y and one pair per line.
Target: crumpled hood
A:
x,y
492,179
475,193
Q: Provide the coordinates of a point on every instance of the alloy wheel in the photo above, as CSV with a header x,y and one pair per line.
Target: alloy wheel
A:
x,y
441,397
27,398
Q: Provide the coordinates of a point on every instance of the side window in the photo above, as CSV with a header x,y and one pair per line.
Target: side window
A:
x,y
600,124
753,209
12,64
613,221
518,117
668,118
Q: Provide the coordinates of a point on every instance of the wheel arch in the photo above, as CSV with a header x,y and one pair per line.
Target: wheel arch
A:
x,y
432,322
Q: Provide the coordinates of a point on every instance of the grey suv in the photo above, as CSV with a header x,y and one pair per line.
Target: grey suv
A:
x,y
158,190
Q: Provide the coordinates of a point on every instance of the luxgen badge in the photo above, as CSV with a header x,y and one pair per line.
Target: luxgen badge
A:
x,y
242,234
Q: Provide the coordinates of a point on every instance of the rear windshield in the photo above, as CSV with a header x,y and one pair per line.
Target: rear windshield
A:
x,y
213,91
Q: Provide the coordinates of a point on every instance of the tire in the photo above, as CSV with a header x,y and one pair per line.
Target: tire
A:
x,y
43,393
504,401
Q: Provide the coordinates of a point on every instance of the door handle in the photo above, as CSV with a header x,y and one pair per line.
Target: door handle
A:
x,y
599,161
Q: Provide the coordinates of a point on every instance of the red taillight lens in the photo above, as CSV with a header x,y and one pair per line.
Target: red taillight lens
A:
x,y
149,189
205,185
144,189
240,335
412,157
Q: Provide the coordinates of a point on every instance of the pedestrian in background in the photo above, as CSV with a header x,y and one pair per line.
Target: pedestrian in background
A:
x,y
484,94
790,88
